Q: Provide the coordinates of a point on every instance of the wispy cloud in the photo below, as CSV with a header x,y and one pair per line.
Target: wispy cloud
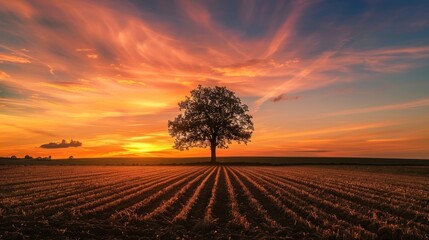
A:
x,y
398,106
252,67
32,130
314,151
13,59
4,75
336,130
384,140
283,35
295,82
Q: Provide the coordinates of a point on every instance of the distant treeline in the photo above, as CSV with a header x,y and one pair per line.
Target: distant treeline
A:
x,y
28,157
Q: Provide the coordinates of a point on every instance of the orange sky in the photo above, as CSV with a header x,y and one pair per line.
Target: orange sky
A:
x,y
319,80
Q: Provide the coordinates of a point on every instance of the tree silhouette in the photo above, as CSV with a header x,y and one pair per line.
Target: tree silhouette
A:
x,y
212,117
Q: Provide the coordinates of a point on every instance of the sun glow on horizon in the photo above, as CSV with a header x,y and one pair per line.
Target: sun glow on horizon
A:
x,y
139,147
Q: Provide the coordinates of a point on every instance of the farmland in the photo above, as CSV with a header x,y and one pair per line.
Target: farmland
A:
x,y
289,202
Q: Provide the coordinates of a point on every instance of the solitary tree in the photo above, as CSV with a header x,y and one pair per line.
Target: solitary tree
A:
x,y
213,117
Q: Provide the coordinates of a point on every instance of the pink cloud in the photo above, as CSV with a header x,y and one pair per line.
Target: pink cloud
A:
x,y
398,106
13,59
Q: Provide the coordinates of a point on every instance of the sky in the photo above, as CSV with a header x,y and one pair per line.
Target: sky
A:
x,y
321,78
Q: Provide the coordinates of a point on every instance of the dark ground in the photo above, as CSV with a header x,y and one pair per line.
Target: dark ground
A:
x,y
24,225
221,160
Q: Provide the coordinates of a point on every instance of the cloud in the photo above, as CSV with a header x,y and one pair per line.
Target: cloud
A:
x,y
337,130
252,67
283,97
35,131
299,81
388,60
68,86
62,144
383,140
314,151
92,56
90,52
399,106
85,49
13,59
284,33
4,75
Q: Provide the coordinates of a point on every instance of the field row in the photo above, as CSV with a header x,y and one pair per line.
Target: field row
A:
x,y
295,202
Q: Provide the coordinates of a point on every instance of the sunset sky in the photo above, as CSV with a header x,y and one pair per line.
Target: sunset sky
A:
x,y
321,78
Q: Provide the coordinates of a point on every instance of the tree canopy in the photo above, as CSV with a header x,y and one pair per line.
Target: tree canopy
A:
x,y
213,117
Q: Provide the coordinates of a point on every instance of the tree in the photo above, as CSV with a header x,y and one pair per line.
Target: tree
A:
x,y
213,117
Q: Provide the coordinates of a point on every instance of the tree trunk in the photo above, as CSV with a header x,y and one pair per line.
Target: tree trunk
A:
x,y
213,150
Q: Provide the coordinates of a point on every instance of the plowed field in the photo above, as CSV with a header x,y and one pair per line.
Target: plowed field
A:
x,y
200,202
